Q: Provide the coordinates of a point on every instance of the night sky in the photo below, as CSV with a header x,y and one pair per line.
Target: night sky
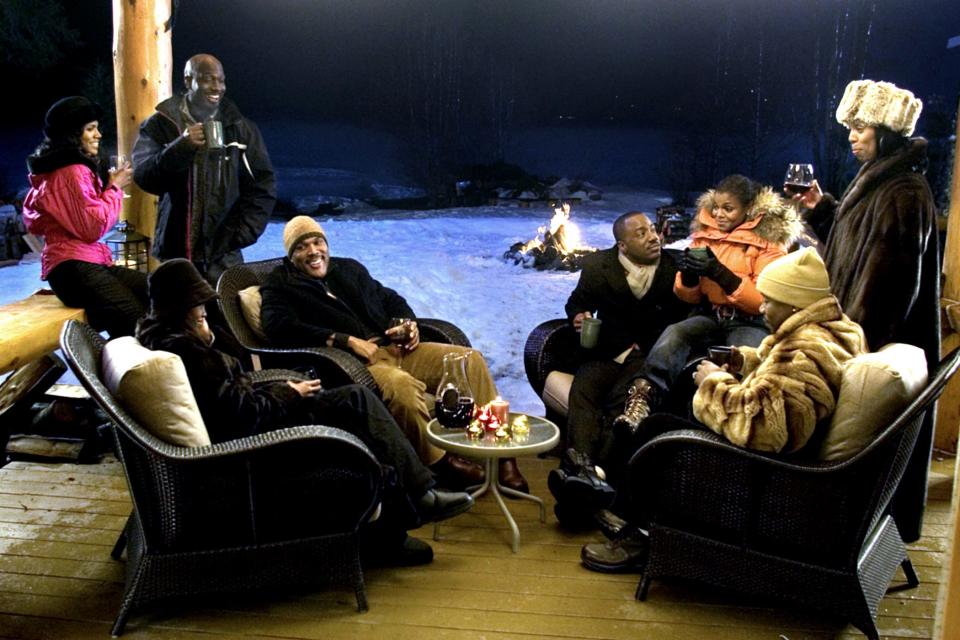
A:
x,y
469,70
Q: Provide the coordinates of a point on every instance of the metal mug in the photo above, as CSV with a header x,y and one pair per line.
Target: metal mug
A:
x,y
213,132
589,332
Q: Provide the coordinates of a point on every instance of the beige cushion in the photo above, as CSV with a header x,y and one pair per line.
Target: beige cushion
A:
x,y
875,388
153,387
250,307
556,391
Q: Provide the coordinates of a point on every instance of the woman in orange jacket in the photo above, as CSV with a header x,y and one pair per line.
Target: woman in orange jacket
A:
x,y
740,228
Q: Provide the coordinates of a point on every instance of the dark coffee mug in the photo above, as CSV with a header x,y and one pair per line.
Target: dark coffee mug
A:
x,y
720,354
698,252
213,132
590,332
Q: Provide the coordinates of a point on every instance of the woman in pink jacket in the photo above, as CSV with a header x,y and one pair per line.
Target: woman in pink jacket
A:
x,y
71,208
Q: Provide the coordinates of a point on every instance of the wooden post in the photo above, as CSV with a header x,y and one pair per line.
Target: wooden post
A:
x,y
947,621
948,409
142,77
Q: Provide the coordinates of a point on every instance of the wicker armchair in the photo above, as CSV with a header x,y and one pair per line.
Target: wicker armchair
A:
x,y
269,511
549,355
814,533
334,366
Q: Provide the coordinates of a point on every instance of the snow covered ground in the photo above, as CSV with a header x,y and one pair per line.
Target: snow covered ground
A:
x,y
447,264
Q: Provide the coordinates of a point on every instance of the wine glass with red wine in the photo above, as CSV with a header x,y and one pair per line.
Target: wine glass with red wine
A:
x,y
799,179
401,337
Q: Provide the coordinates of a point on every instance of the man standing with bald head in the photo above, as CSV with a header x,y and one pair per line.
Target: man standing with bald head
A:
x,y
215,194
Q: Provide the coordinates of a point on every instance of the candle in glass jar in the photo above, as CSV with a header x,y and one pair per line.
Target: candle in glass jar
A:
x,y
501,409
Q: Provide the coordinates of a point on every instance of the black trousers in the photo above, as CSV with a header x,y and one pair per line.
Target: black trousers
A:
x,y
596,397
113,297
357,410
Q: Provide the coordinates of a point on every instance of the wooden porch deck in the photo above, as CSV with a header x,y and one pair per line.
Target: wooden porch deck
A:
x,y
58,523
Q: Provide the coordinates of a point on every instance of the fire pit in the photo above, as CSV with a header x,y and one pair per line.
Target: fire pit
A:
x,y
557,247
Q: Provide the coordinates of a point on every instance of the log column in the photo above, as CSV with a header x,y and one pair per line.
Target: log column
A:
x,y
948,409
142,72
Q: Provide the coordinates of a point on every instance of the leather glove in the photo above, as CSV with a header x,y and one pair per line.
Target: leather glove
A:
x,y
709,267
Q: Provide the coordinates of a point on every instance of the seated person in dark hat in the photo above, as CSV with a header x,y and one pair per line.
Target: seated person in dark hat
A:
x,y
770,398
314,298
233,407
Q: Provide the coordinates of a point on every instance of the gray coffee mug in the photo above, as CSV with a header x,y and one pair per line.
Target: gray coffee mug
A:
x,y
589,332
213,132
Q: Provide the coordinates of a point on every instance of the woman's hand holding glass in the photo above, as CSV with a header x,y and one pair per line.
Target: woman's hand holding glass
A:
x,y
121,173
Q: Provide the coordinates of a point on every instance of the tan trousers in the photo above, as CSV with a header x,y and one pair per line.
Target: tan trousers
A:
x,y
403,383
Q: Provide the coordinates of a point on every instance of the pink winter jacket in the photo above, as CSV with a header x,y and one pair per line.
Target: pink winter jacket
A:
x,y
72,211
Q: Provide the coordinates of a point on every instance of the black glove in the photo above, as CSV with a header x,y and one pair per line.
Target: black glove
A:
x,y
709,267
689,275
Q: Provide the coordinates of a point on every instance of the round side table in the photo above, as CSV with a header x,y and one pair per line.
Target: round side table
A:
x,y
543,437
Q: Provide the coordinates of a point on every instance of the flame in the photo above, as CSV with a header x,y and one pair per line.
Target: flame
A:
x,y
565,234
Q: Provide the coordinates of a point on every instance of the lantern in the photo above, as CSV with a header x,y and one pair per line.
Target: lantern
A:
x,y
129,247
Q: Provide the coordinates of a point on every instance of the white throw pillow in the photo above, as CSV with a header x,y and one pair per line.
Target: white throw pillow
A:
x,y
875,388
153,387
250,302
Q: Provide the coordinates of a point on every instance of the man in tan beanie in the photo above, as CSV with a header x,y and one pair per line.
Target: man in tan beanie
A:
x,y
315,299
881,247
790,383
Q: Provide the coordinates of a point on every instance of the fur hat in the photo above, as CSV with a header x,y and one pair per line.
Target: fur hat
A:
x,y
799,279
67,116
176,287
298,229
879,103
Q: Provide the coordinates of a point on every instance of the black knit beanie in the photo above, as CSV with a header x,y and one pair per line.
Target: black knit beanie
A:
x,y
176,287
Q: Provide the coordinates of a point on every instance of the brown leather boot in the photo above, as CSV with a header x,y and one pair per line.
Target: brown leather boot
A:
x,y
454,472
637,407
511,477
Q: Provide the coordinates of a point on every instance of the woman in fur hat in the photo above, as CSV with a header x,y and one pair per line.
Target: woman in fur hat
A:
x,y
882,251
72,209
741,227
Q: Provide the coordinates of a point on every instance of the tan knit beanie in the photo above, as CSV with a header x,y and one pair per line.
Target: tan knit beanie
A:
x,y
798,279
879,103
300,228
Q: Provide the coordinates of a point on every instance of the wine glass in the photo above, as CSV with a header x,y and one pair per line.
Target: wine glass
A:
x,y
118,162
798,179
400,337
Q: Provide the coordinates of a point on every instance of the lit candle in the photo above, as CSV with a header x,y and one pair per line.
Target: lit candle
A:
x,y
501,409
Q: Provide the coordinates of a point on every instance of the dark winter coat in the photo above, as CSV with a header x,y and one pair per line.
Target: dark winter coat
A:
x,y
603,291
231,406
884,266
238,198
882,252
298,309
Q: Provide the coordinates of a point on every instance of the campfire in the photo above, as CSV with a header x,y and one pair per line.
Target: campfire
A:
x,y
557,247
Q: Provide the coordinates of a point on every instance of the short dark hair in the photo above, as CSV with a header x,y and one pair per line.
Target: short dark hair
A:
x,y
740,187
619,225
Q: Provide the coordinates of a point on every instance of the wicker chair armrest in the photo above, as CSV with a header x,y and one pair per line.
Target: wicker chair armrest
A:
x,y
275,375
335,367
551,346
436,330
711,485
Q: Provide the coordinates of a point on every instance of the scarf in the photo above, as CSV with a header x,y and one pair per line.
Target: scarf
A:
x,y
639,277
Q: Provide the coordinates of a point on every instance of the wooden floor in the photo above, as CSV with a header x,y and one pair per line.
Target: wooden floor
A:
x,y
59,521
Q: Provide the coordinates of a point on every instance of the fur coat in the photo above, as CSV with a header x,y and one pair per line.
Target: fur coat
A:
x,y
791,381
882,253
771,226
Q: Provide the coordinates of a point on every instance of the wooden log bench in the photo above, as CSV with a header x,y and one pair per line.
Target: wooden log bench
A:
x,y
30,328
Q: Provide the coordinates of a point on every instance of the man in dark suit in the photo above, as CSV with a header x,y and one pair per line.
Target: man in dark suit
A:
x,y
630,288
